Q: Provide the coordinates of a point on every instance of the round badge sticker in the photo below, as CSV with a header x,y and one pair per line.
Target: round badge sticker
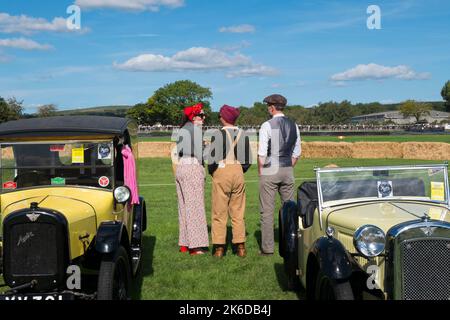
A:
x,y
103,182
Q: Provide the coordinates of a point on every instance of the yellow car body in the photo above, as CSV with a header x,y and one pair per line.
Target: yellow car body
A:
x,y
64,203
84,208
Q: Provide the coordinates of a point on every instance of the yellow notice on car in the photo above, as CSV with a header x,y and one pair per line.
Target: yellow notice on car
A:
x,y
78,154
438,191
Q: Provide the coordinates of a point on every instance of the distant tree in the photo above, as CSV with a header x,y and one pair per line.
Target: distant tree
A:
x,y
4,110
445,93
167,103
254,116
10,109
411,108
48,110
140,113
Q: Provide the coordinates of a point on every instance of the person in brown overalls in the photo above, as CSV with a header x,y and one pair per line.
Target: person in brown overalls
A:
x,y
231,159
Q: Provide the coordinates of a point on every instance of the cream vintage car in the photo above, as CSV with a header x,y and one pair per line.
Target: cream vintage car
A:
x,y
370,232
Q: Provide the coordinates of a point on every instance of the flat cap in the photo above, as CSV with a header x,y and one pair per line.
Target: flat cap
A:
x,y
276,99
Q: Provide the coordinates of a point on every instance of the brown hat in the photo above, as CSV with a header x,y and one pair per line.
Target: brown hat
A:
x,y
276,99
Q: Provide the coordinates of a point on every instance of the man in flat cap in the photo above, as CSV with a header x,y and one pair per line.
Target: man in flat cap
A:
x,y
278,153
230,158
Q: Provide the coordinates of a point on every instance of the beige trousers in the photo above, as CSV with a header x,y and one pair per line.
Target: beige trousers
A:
x,y
228,199
282,182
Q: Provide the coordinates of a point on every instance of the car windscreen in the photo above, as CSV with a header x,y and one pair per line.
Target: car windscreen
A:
x,y
81,163
424,183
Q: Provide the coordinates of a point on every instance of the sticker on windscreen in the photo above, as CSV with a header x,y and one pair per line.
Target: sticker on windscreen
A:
x,y
385,189
58,181
10,185
438,191
57,148
104,152
78,154
103,182
432,172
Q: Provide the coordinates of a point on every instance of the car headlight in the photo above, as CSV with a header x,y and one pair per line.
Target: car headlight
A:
x,y
370,241
122,194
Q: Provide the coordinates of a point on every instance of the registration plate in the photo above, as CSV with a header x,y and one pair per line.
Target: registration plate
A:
x,y
36,297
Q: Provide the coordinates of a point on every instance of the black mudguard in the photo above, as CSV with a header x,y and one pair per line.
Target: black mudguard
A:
x,y
333,259
140,214
108,237
139,222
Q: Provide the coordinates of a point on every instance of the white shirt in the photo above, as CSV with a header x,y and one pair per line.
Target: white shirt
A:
x,y
265,133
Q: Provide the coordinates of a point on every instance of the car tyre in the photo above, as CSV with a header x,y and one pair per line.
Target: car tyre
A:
x,y
114,277
280,235
290,267
329,289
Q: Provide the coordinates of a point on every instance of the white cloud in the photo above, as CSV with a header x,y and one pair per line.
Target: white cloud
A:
x,y
22,43
236,47
374,71
137,5
252,71
29,25
197,59
243,28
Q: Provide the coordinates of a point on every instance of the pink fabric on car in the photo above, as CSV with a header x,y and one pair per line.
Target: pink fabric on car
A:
x,y
129,164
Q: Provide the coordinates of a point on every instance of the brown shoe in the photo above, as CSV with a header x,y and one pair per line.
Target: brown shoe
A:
x,y
219,252
240,250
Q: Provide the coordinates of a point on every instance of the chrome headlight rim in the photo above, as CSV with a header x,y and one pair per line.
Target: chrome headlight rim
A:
x,y
362,247
122,194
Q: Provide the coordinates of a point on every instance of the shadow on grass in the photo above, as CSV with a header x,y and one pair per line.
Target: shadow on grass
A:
x,y
282,281
149,243
257,235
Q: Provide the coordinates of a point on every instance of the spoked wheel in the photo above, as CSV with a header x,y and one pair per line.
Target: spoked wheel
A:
x,y
328,289
114,277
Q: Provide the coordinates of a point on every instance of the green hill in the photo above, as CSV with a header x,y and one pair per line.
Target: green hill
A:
x,y
112,111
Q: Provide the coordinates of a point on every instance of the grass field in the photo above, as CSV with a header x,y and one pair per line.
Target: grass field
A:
x,y
393,138
169,274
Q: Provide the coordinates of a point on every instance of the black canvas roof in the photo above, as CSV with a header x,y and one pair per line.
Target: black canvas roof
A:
x,y
64,126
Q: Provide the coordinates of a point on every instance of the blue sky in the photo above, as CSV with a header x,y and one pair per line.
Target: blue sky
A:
x,y
309,51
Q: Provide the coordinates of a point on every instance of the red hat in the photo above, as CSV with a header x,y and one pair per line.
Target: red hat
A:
x,y
193,111
229,114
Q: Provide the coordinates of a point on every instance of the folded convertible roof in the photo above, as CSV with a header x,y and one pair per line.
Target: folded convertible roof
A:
x,y
64,126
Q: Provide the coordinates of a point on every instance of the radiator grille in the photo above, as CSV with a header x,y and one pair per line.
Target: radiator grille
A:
x,y
33,249
426,269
